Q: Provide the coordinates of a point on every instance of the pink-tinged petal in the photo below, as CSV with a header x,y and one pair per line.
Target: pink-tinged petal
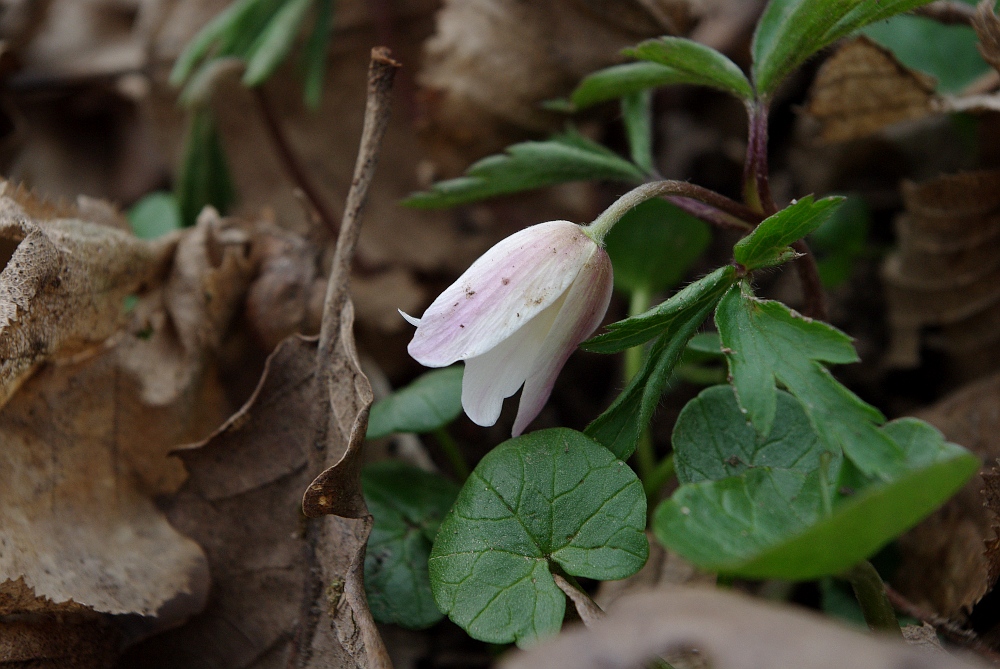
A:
x,y
415,322
504,289
585,305
493,376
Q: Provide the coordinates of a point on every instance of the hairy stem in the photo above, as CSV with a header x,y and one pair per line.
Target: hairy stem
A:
x,y
602,224
645,454
756,187
870,591
663,472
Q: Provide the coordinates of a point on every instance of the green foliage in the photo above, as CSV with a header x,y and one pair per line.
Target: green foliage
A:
x,y
947,52
768,244
619,81
529,165
701,65
654,245
204,176
261,33
840,241
430,402
766,343
791,31
550,499
673,323
637,113
765,507
155,215
407,505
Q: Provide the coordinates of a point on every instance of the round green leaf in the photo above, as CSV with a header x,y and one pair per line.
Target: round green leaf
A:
x,y
430,402
552,497
155,215
654,245
407,505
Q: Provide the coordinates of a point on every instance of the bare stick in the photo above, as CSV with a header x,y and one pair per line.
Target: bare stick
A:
x,y
293,166
381,72
948,12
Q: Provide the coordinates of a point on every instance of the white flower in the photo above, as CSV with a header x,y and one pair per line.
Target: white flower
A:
x,y
515,316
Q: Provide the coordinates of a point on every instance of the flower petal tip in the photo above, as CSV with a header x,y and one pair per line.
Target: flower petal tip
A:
x,y
415,322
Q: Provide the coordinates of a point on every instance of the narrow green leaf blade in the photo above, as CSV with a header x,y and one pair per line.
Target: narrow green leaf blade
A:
x,y
407,505
430,402
662,318
204,175
155,215
768,244
637,113
654,245
527,166
549,496
619,81
314,56
227,20
275,41
765,342
791,31
702,65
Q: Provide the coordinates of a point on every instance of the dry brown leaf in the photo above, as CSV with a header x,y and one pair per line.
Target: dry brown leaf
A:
x,y
991,500
732,631
586,608
943,564
987,27
663,567
946,272
862,88
924,638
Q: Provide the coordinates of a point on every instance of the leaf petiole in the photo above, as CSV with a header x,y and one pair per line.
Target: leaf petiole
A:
x,y
453,453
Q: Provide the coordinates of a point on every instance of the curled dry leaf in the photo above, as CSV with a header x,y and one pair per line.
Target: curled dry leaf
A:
x,y
862,88
946,272
87,432
943,567
732,631
987,27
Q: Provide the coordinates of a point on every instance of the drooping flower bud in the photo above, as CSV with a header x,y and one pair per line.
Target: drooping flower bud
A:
x,y
515,316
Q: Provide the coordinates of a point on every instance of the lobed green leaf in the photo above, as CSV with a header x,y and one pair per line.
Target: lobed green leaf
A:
x,y
637,114
431,401
407,505
527,166
702,65
768,244
550,498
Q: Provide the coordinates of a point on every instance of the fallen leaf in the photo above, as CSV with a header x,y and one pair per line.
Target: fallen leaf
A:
x,y
731,630
862,88
943,565
987,27
663,567
946,272
924,638
586,608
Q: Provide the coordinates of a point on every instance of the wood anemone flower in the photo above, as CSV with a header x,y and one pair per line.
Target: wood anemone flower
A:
x,y
515,316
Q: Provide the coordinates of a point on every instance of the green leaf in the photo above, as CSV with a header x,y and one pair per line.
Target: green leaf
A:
x,y
790,31
783,519
619,81
407,505
204,174
639,329
550,498
226,21
947,52
765,342
637,113
274,42
430,402
705,346
713,440
155,215
768,244
702,65
619,427
526,166
654,245
314,56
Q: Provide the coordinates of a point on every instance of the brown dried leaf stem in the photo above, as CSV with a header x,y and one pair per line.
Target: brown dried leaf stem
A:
x,y
948,12
381,72
293,166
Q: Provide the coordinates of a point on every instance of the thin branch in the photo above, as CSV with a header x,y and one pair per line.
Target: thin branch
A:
x,y
381,72
812,286
293,166
870,592
711,215
948,12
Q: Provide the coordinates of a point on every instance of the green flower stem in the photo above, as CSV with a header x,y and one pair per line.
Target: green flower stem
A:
x,y
453,453
645,455
602,225
663,472
870,591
